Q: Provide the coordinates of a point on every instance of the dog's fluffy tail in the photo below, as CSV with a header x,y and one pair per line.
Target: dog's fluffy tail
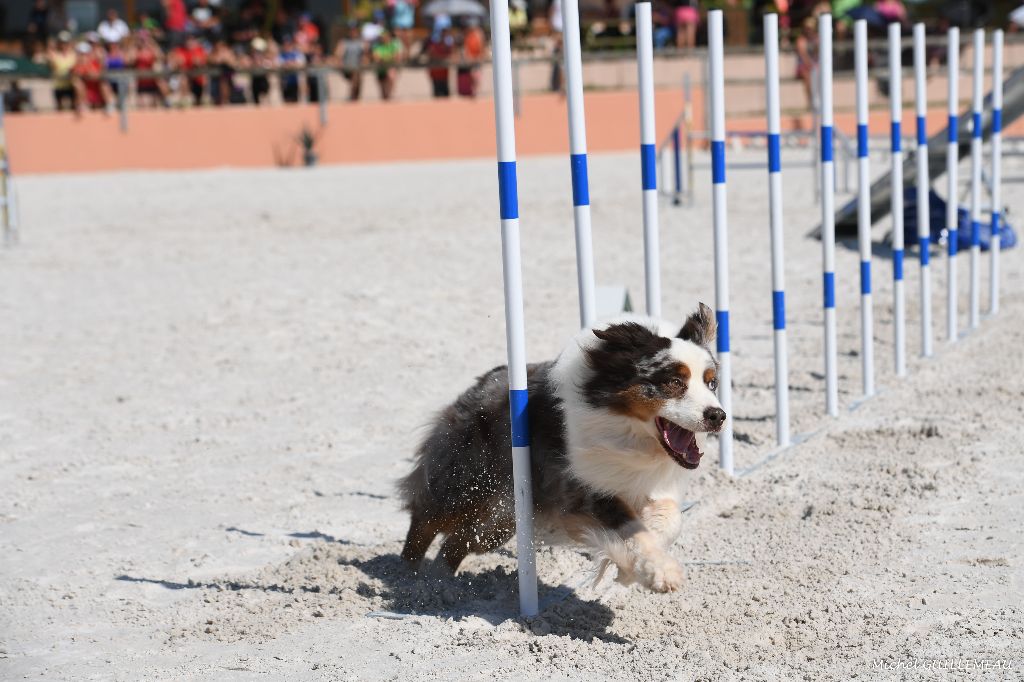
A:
x,y
609,549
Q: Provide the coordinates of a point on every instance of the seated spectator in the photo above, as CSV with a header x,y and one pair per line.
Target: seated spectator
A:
x,y
292,60
472,54
116,60
91,90
17,99
306,34
385,54
188,57
261,56
175,20
61,59
146,57
687,20
438,51
113,29
351,52
151,26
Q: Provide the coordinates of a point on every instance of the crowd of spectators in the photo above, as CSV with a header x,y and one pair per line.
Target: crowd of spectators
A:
x,y
202,52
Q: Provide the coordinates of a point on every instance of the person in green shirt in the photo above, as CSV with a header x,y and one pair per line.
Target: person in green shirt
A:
x,y
385,53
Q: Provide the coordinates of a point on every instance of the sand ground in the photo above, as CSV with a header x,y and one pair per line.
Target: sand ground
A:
x,y
210,382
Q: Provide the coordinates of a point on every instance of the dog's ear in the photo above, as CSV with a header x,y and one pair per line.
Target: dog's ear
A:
x,y
701,327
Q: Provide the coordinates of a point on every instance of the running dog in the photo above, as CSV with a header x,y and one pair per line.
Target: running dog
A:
x,y
614,422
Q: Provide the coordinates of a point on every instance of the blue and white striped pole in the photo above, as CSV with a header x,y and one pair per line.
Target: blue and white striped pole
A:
x,y
509,203
923,186
997,168
978,70
649,176
716,84
952,190
578,161
895,117
867,345
828,224
771,81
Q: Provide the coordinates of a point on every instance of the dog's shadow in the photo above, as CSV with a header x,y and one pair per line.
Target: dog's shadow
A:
x,y
490,594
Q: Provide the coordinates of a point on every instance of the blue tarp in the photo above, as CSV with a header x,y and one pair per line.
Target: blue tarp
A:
x,y
937,218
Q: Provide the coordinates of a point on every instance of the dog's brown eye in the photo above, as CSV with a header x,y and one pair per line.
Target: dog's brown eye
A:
x,y
676,382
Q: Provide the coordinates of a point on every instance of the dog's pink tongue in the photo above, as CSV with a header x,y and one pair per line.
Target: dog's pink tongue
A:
x,y
678,438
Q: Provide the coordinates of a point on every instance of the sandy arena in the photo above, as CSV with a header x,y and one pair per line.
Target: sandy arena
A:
x,y
211,380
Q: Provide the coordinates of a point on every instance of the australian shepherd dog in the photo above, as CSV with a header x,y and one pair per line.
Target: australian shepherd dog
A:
x,y
614,422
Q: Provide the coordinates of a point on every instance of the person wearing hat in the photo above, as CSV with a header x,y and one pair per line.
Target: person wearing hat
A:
x,y
261,57
61,59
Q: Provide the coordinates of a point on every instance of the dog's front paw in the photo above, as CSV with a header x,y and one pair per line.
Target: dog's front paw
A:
x,y
660,574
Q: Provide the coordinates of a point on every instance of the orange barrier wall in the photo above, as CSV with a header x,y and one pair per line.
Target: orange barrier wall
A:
x,y
356,133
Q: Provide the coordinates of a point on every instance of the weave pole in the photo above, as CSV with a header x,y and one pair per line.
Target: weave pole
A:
x,y
716,84
952,159
923,186
771,82
867,345
997,169
649,176
895,117
6,191
512,272
578,161
828,224
978,69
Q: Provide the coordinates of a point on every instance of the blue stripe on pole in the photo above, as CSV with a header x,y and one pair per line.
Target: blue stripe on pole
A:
x,y
953,132
895,137
925,243
508,195
995,224
774,154
976,124
779,309
975,233
717,162
830,290
518,399
649,176
922,131
997,120
580,185
952,237
826,143
723,330
897,264
865,277
862,140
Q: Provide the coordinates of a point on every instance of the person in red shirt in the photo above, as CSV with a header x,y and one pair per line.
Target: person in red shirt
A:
x,y
145,57
175,17
91,89
190,56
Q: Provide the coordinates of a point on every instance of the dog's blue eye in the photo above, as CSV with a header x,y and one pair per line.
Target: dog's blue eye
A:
x,y
713,384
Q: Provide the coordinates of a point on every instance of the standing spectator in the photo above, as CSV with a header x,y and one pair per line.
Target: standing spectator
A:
x,y
38,29
403,17
146,56
186,58
113,29
206,21
555,19
385,53
61,60
439,49
806,46
222,86
315,58
292,60
175,20
351,52
116,60
306,34
472,54
687,21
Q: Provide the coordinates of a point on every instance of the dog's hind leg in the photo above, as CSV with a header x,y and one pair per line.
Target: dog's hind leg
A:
x,y
421,533
476,535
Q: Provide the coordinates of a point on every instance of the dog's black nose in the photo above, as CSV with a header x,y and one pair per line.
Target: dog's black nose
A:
x,y
715,417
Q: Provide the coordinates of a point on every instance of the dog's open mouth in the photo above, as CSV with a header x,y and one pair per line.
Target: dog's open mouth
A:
x,y
679,443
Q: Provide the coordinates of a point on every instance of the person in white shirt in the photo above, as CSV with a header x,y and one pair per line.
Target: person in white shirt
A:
x,y
113,29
